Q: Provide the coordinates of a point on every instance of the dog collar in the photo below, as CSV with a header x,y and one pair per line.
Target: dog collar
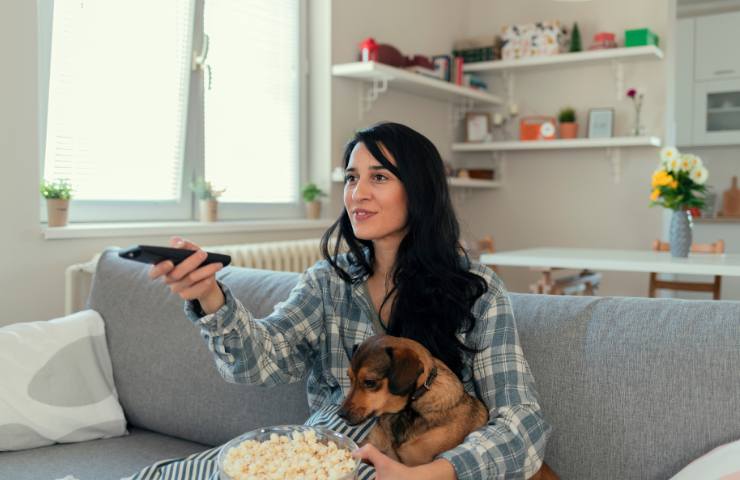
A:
x,y
426,386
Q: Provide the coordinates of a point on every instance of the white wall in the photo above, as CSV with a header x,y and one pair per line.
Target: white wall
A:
x,y
558,198
32,275
562,198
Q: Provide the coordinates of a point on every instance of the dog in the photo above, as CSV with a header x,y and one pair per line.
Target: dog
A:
x,y
421,405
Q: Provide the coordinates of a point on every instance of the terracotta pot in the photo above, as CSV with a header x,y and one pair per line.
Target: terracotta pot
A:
x,y
57,211
569,130
313,210
209,210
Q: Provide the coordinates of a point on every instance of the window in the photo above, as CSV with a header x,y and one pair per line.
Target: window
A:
x,y
132,120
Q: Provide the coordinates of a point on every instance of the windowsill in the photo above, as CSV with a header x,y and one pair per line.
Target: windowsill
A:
x,y
91,230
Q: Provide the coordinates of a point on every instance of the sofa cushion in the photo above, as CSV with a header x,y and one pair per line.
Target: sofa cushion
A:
x,y
57,383
109,459
166,378
635,388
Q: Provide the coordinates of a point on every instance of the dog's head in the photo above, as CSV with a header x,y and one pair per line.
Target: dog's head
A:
x,y
384,372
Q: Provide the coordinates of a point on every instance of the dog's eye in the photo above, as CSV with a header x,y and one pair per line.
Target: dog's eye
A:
x,y
370,383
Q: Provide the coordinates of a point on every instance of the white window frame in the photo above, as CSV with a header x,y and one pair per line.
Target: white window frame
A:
x,y
186,208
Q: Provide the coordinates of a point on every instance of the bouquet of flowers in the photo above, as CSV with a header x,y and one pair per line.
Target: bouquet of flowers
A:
x,y
679,182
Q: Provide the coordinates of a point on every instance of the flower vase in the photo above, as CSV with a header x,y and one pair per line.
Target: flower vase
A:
x,y
680,233
638,129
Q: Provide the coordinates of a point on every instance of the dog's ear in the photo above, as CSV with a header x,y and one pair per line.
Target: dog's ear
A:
x,y
405,370
354,349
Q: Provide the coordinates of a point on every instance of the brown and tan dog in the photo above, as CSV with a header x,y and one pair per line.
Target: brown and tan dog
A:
x,y
422,406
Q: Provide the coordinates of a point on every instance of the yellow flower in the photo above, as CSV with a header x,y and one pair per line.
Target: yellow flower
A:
x,y
673,184
655,195
661,178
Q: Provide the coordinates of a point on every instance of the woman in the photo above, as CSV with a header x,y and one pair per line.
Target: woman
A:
x,y
404,274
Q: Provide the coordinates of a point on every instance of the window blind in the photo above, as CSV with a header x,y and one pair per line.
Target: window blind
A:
x,y
118,96
252,99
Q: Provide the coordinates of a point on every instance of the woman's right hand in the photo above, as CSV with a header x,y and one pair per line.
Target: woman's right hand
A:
x,y
189,280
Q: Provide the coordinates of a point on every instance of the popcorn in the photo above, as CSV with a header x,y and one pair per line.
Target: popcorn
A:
x,y
300,456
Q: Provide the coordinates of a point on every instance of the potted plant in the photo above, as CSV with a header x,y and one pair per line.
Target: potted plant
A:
x,y
568,125
679,184
57,195
208,197
311,194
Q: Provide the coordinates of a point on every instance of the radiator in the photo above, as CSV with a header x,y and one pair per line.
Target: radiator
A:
x,y
284,256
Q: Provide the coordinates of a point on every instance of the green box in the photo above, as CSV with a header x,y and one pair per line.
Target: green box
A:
x,y
640,37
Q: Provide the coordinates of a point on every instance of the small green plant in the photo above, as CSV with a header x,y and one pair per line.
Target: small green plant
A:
x,y
311,192
567,115
58,189
205,190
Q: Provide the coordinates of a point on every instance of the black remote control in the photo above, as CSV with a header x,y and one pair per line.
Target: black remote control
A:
x,y
153,254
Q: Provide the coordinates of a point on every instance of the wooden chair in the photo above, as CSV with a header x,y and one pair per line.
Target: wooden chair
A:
x,y
712,287
583,283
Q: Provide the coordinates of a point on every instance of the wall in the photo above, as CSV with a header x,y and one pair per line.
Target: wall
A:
x,y
556,198
32,275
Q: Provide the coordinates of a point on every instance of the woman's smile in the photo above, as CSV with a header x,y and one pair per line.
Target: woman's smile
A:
x,y
360,215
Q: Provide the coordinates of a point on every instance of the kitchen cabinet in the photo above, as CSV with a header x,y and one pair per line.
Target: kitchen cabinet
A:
x,y
708,80
717,37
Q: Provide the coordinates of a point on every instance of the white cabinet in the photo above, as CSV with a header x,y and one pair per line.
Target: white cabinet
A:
x,y
717,112
708,80
717,38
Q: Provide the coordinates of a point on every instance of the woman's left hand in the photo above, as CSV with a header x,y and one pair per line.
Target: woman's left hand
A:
x,y
385,467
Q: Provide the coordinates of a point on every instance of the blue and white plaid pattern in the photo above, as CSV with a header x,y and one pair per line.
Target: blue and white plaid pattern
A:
x,y
313,333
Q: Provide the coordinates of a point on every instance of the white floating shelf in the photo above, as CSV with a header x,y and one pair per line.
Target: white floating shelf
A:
x,y
472,183
412,82
591,56
558,144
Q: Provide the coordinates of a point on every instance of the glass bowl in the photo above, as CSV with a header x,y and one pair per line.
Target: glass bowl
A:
x,y
323,435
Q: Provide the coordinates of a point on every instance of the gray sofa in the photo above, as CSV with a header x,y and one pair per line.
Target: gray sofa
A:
x,y
634,388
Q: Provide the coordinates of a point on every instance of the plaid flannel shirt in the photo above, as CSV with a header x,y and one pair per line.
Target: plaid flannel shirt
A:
x,y
314,330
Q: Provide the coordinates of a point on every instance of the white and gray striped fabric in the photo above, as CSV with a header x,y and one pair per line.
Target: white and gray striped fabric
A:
x,y
203,465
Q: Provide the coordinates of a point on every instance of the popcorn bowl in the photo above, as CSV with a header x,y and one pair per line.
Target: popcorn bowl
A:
x,y
228,463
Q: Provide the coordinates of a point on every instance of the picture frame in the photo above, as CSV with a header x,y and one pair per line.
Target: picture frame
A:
x,y
601,123
477,126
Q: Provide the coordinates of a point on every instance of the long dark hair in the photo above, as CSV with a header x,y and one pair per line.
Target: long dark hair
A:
x,y
434,290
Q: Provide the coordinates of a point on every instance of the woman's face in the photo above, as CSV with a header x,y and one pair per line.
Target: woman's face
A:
x,y
375,199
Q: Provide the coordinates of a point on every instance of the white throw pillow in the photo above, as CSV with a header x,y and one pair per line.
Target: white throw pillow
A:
x,y
56,383
722,463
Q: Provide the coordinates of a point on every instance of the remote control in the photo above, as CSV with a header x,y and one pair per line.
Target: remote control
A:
x,y
153,254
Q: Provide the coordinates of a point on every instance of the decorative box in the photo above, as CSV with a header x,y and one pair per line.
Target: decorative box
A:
x,y
531,40
640,37
537,127
603,40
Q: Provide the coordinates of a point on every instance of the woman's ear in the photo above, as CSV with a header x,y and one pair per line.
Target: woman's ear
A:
x,y
404,372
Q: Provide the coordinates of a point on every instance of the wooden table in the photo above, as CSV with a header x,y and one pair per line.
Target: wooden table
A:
x,y
547,259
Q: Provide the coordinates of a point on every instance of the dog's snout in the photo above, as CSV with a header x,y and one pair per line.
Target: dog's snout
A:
x,y
343,414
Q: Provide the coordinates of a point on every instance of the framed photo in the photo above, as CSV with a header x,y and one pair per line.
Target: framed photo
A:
x,y
601,123
477,126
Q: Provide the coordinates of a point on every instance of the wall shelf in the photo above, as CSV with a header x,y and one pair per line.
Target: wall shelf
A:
x,y
611,145
648,52
613,142
380,77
